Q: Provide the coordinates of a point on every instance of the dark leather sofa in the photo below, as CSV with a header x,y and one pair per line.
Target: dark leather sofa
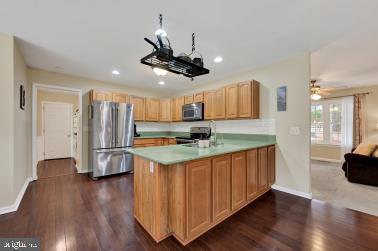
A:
x,y
361,169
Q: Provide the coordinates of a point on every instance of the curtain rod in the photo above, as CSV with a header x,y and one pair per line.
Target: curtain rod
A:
x,y
351,95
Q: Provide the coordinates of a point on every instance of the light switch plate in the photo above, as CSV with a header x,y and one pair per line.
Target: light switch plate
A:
x,y
151,167
294,130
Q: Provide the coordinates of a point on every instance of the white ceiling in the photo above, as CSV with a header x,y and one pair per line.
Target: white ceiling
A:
x,y
90,38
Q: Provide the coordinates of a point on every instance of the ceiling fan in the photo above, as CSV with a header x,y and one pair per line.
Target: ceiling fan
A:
x,y
317,92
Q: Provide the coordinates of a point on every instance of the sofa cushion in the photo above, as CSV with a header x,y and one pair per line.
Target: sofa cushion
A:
x,y
375,153
365,149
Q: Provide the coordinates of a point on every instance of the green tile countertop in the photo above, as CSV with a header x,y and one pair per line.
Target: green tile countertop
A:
x,y
173,154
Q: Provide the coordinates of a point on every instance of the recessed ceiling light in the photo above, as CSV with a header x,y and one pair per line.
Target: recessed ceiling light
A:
x,y
218,59
115,72
161,83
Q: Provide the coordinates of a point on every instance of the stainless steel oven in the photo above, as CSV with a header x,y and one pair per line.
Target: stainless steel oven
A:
x,y
192,112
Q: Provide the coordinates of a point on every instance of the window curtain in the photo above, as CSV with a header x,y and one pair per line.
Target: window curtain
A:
x,y
359,119
347,118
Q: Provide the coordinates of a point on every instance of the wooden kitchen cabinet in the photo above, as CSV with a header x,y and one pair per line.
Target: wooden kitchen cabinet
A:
x,y
221,171
249,99
263,169
209,104
152,109
198,97
177,104
95,95
198,177
165,112
188,99
252,173
238,180
272,164
139,107
232,101
120,97
220,103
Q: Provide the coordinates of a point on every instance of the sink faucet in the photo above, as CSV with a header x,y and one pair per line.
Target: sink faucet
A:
x,y
213,132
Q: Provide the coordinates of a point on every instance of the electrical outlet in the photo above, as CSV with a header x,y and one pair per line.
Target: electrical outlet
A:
x,y
151,167
295,131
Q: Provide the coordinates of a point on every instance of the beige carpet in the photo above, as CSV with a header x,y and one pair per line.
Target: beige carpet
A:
x,y
329,184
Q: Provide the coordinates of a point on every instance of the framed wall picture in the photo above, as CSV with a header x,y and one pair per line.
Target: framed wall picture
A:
x,y
22,97
281,98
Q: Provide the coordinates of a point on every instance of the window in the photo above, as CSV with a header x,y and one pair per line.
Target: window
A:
x,y
327,124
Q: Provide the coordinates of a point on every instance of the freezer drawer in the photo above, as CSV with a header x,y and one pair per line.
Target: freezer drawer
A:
x,y
110,161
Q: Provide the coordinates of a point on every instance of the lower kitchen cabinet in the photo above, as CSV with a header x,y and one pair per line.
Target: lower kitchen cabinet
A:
x,y
272,164
263,169
252,172
221,186
238,180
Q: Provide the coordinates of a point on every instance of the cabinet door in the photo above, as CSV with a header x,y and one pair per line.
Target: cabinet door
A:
x,y
165,112
139,107
178,103
272,164
100,96
198,97
252,166
232,101
220,103
209,99
244,100
238,180
255,102
263,169
172,141
120,98
221,186
188,99
198,195
152,109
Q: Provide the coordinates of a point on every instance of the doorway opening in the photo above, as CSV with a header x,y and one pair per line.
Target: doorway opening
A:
x,y
57,131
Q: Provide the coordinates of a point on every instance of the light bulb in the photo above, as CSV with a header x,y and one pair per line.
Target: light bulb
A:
x,y
218,59
315,96
161,83
161,32
160,72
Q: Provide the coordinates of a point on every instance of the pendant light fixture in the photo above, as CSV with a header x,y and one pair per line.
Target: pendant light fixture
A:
x,y
161,32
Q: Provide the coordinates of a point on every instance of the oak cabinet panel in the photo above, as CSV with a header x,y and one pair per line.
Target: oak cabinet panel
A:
x,y
209,103
272,164
188,99
252,173
198,193
177,104
221,172
220,103
232,101
238,180
95,95
152,109
139,107
198,97
263,169
165,112
249,99
120,98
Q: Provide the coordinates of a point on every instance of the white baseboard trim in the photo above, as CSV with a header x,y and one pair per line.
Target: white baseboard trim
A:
x,y
327,160
83,171
292,191
16,204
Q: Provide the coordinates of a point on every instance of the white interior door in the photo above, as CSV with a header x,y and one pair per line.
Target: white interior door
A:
x,y
57,130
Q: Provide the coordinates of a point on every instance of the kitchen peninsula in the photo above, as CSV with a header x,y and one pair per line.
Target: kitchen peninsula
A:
x,y
184,191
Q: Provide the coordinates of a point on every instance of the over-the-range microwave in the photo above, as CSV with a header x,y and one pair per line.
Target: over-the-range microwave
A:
x,y
192,112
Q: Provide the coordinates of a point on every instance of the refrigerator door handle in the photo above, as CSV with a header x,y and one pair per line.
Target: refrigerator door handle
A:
x,y
113,126
116,124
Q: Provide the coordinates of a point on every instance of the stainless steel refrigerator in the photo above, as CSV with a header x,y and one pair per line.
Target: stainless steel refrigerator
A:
x,y
111,133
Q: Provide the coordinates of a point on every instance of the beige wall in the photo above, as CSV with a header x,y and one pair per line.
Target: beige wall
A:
x,y
323,151
53,97
293,152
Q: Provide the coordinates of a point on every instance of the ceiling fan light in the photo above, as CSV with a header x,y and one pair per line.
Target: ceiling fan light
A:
x,y
160,72
161,32
315,96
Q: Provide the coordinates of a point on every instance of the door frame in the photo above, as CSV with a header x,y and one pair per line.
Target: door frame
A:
x,y
71,124
54,88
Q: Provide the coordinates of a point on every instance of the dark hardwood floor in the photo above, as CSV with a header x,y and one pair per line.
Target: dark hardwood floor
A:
x,y
55,167
72,212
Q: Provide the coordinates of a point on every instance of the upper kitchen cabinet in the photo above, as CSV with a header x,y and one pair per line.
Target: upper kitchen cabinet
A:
x,y
198,97
209,103
152,109
177,104
139,107
95,95
249,99
232,101
120,98
220,103
189,99
165,112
